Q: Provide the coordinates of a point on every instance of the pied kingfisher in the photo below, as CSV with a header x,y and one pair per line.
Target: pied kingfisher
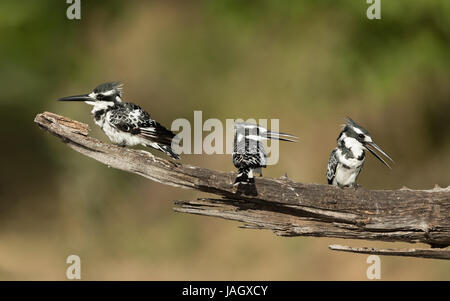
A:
x,y
125,123
347,159
248,151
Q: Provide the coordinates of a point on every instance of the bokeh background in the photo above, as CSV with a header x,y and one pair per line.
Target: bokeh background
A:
x,y
308,63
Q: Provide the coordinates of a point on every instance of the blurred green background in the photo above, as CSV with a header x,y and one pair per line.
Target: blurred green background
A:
x,y
308,63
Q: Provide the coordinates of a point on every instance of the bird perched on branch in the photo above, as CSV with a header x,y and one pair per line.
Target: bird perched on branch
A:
x,y
125,124
249,154
347,159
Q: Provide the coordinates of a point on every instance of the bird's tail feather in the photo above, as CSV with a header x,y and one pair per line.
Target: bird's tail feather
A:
x,y
169,151
165,149
245,177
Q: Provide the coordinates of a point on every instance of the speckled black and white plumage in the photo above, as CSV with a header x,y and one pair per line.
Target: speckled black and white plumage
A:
x,y
343,167
126,124
249,154
347,159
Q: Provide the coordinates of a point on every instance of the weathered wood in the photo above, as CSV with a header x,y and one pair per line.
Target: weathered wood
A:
x,y
286,207
422,253
291,221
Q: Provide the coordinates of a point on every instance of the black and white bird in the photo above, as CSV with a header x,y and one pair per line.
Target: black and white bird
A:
x,y
347,159
125,124
249,154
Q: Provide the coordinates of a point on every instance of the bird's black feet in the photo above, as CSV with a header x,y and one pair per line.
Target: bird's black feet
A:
x,y
245,185
355,186
351,186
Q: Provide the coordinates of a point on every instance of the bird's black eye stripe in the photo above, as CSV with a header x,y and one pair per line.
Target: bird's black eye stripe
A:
x,y
361,135
100,96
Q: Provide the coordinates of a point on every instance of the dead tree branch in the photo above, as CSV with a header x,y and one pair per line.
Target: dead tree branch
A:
x,y
288,208
422,253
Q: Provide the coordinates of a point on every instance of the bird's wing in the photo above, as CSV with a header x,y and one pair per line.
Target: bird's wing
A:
x,y
251,160
332,164
134,120
249,152
246,160
124,121
157,133
151,129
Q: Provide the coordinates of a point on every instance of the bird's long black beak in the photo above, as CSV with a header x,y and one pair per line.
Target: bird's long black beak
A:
x,y
372,144
280,136
84,97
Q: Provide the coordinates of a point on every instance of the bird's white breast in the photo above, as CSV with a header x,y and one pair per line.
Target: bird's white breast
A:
x,y
344,176
347,170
